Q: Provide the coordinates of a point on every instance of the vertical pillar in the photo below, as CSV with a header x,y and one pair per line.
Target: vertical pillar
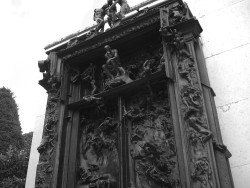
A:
x,y
180,32
220,150
47,168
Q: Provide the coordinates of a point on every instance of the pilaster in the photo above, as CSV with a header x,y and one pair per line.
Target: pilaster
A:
x,y
180,32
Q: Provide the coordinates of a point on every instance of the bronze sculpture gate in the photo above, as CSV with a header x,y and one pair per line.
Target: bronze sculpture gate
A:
x,y
132,107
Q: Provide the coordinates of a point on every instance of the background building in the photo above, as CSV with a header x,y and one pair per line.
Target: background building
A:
x,y
226,46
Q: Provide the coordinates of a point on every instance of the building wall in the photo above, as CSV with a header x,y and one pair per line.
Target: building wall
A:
x,y
226,46
34,155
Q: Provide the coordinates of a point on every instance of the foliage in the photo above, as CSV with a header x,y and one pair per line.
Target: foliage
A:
x,y
14,147
27,137
14,164
13,182
10,129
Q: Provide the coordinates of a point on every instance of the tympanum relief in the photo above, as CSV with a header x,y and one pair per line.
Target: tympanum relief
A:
x,y
116,71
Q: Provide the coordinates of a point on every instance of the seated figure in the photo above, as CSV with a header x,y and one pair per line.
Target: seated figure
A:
x,y
112,68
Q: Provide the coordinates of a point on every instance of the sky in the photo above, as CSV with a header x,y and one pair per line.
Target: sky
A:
x,y
27,26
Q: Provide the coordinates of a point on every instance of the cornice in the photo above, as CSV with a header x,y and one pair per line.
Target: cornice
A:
x,y
129,27
81,32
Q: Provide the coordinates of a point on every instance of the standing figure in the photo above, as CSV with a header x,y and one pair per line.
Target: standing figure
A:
x,y
112,65
124,8
88,76
99,18
111,12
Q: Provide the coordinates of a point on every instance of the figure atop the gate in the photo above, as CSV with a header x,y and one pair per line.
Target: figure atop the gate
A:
x,y
111,11
124,7
99,18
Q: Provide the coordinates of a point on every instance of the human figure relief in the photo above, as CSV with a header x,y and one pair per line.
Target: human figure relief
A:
x,y
89,76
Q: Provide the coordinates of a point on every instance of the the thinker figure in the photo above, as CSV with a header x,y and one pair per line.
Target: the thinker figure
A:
x,y
112,67
124,7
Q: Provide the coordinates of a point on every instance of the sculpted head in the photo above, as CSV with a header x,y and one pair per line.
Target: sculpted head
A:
x,y
109,1
107,47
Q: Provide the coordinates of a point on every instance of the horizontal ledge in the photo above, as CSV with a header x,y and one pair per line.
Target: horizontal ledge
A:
x,y
64,40
120,90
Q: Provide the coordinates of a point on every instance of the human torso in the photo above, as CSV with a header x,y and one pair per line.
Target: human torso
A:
x,y
99,13
110,54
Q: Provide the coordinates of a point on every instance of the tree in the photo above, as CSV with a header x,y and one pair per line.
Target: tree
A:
x,y
14,164
27,137
10,129
14,148
13,182
13,168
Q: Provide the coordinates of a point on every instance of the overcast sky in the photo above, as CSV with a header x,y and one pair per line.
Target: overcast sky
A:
x,y
27,26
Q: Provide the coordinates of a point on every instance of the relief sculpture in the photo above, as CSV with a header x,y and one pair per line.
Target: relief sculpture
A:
x,y
99,165
49,139
178,13
88,79
145,63
152,145
192,108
